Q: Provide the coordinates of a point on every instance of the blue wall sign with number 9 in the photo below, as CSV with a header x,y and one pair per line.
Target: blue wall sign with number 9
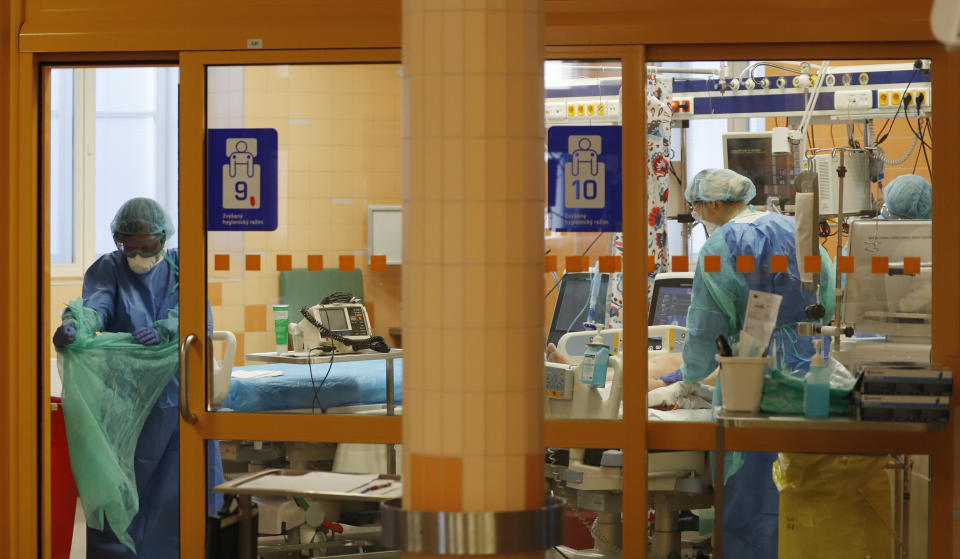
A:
x,y
242,179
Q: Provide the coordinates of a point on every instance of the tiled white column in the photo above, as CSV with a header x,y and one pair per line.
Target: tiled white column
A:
x,y
473,255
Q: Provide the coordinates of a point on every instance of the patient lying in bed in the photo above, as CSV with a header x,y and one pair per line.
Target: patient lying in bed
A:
x,y
664,394
657,365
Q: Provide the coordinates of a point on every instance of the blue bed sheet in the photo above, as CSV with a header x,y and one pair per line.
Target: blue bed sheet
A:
x,y
358,382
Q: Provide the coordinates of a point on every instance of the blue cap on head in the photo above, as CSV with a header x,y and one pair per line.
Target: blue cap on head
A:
x,y
142,216
909,196
712,185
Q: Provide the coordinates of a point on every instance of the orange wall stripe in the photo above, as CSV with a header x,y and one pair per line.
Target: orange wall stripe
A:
x,y
255,318
712,263
911,265
418,482
221,262
651,263
811,264
315,262
610,264
745,264
678,264
239,359
549,263
778,264
284,262
347,263
378,263
880,264
844,264
576,264
453,483
253,262
434,488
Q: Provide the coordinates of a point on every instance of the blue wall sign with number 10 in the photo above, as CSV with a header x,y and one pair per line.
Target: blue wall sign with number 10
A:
x,y
242,179
584,178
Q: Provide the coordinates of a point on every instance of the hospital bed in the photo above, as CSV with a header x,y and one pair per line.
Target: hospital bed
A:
x,y
350,387
356,384
572,346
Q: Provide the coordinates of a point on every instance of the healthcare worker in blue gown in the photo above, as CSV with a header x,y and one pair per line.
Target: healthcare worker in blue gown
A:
x,y
720,200
906,197
132,289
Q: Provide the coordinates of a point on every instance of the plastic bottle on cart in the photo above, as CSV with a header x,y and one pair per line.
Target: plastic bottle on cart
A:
x,y
593,370
816,387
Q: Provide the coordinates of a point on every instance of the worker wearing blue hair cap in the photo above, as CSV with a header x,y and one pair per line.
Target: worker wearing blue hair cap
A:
x,y
907,197
132,289
720,200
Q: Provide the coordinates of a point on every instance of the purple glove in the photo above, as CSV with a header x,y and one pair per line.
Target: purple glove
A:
x,y
147,335
64,335
673,377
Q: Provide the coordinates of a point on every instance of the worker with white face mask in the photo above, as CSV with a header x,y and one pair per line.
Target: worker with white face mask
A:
x,y
133,290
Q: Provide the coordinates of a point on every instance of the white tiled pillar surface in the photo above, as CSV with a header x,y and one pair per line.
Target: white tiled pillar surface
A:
x,y
473,255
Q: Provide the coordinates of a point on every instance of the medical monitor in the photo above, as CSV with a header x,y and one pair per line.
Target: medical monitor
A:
x,y
670,301
896,303
751,155
572,302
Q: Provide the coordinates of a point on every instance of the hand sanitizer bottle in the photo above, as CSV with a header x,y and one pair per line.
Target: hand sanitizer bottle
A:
x,y
816,386
593,370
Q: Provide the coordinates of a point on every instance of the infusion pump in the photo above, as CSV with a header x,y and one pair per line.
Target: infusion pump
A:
x,y
340,327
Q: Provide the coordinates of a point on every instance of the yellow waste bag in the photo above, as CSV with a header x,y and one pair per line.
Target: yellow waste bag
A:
x,y
834,506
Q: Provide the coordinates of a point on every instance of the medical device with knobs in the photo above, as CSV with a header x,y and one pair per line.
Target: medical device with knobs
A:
x,y
348,329
588,402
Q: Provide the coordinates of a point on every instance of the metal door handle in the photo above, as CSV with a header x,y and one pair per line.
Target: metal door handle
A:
x,y
184,374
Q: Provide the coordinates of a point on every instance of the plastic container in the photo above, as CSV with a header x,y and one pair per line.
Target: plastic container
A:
x,y
741,382
816,387
280,314
593,369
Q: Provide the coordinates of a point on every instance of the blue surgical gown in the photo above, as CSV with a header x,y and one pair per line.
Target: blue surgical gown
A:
x,y
718,306
125,302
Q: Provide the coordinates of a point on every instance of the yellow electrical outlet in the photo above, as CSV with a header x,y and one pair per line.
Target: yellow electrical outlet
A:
x,y
591,109
920,97
581,109
601,109
908,98
571,109
895,98
883,98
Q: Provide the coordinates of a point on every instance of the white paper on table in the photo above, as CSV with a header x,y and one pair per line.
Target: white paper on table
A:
x,y
762,311
255,373
326,482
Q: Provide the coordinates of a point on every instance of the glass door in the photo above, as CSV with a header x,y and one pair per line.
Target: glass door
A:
x,y
291,340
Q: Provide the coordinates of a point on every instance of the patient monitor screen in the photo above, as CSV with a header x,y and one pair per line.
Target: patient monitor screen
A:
x,y
335,320
750,154
571,310
671,306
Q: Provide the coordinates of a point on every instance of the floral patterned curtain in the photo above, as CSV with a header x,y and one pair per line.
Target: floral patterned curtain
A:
x,y
659,94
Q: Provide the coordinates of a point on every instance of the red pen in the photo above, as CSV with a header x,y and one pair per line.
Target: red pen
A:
x,y
375,487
